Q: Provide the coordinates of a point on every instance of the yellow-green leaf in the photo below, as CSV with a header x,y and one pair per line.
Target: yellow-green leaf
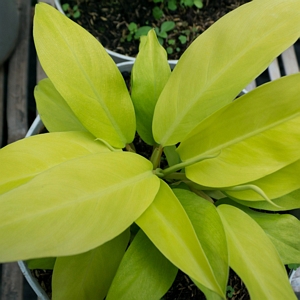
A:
x,y
284,232
41,263
54,111
286,202
221,62
25,159
149,75
248,139
167,225
88,275
210,232
275,185
75,206
84,75
144,273
253,256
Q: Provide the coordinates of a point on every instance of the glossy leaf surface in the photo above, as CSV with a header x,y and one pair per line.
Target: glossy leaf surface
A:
x,y
149,75
253,256
275,185
144,272
54,111
252,137
283,231
221,62
83,199
25,159
210,232
85,76
88,275
167,225
286,202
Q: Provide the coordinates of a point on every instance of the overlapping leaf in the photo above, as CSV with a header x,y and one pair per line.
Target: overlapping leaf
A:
x,y
88,275
75,206
144,272
54,111
85,76
253,256
283,231
221,62
286,202
167,225
275,185
25,159
207,224
250,138
149,75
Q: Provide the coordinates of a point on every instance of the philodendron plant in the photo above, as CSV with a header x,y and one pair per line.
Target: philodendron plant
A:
x,y
119,225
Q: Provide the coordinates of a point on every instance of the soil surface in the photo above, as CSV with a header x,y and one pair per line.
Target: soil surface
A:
x,y
108,20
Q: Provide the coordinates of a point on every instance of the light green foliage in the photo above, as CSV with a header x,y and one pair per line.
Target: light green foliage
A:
x,y
166,223
144,273
72,196
249,250
209,74
97,270
80,75
150,73
57,115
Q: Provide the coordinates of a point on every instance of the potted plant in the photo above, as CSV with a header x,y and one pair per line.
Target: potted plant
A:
x,y
119,24
119,225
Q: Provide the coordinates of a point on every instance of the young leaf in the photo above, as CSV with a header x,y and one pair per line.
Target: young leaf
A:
x,y
167,225
91,84
207,224
47,207
253,256
88,275
218,65
149,75
144,273
54,111
266,139
23,160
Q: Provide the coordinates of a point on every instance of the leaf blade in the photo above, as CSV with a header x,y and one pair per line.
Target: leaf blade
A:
x,y
166,224
260,141
261,269
53,200
202,81
91,84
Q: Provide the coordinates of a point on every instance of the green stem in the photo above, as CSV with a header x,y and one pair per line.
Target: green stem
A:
x,y
182,165
156,155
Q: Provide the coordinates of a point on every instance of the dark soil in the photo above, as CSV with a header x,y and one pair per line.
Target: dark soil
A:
x,y
108,20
